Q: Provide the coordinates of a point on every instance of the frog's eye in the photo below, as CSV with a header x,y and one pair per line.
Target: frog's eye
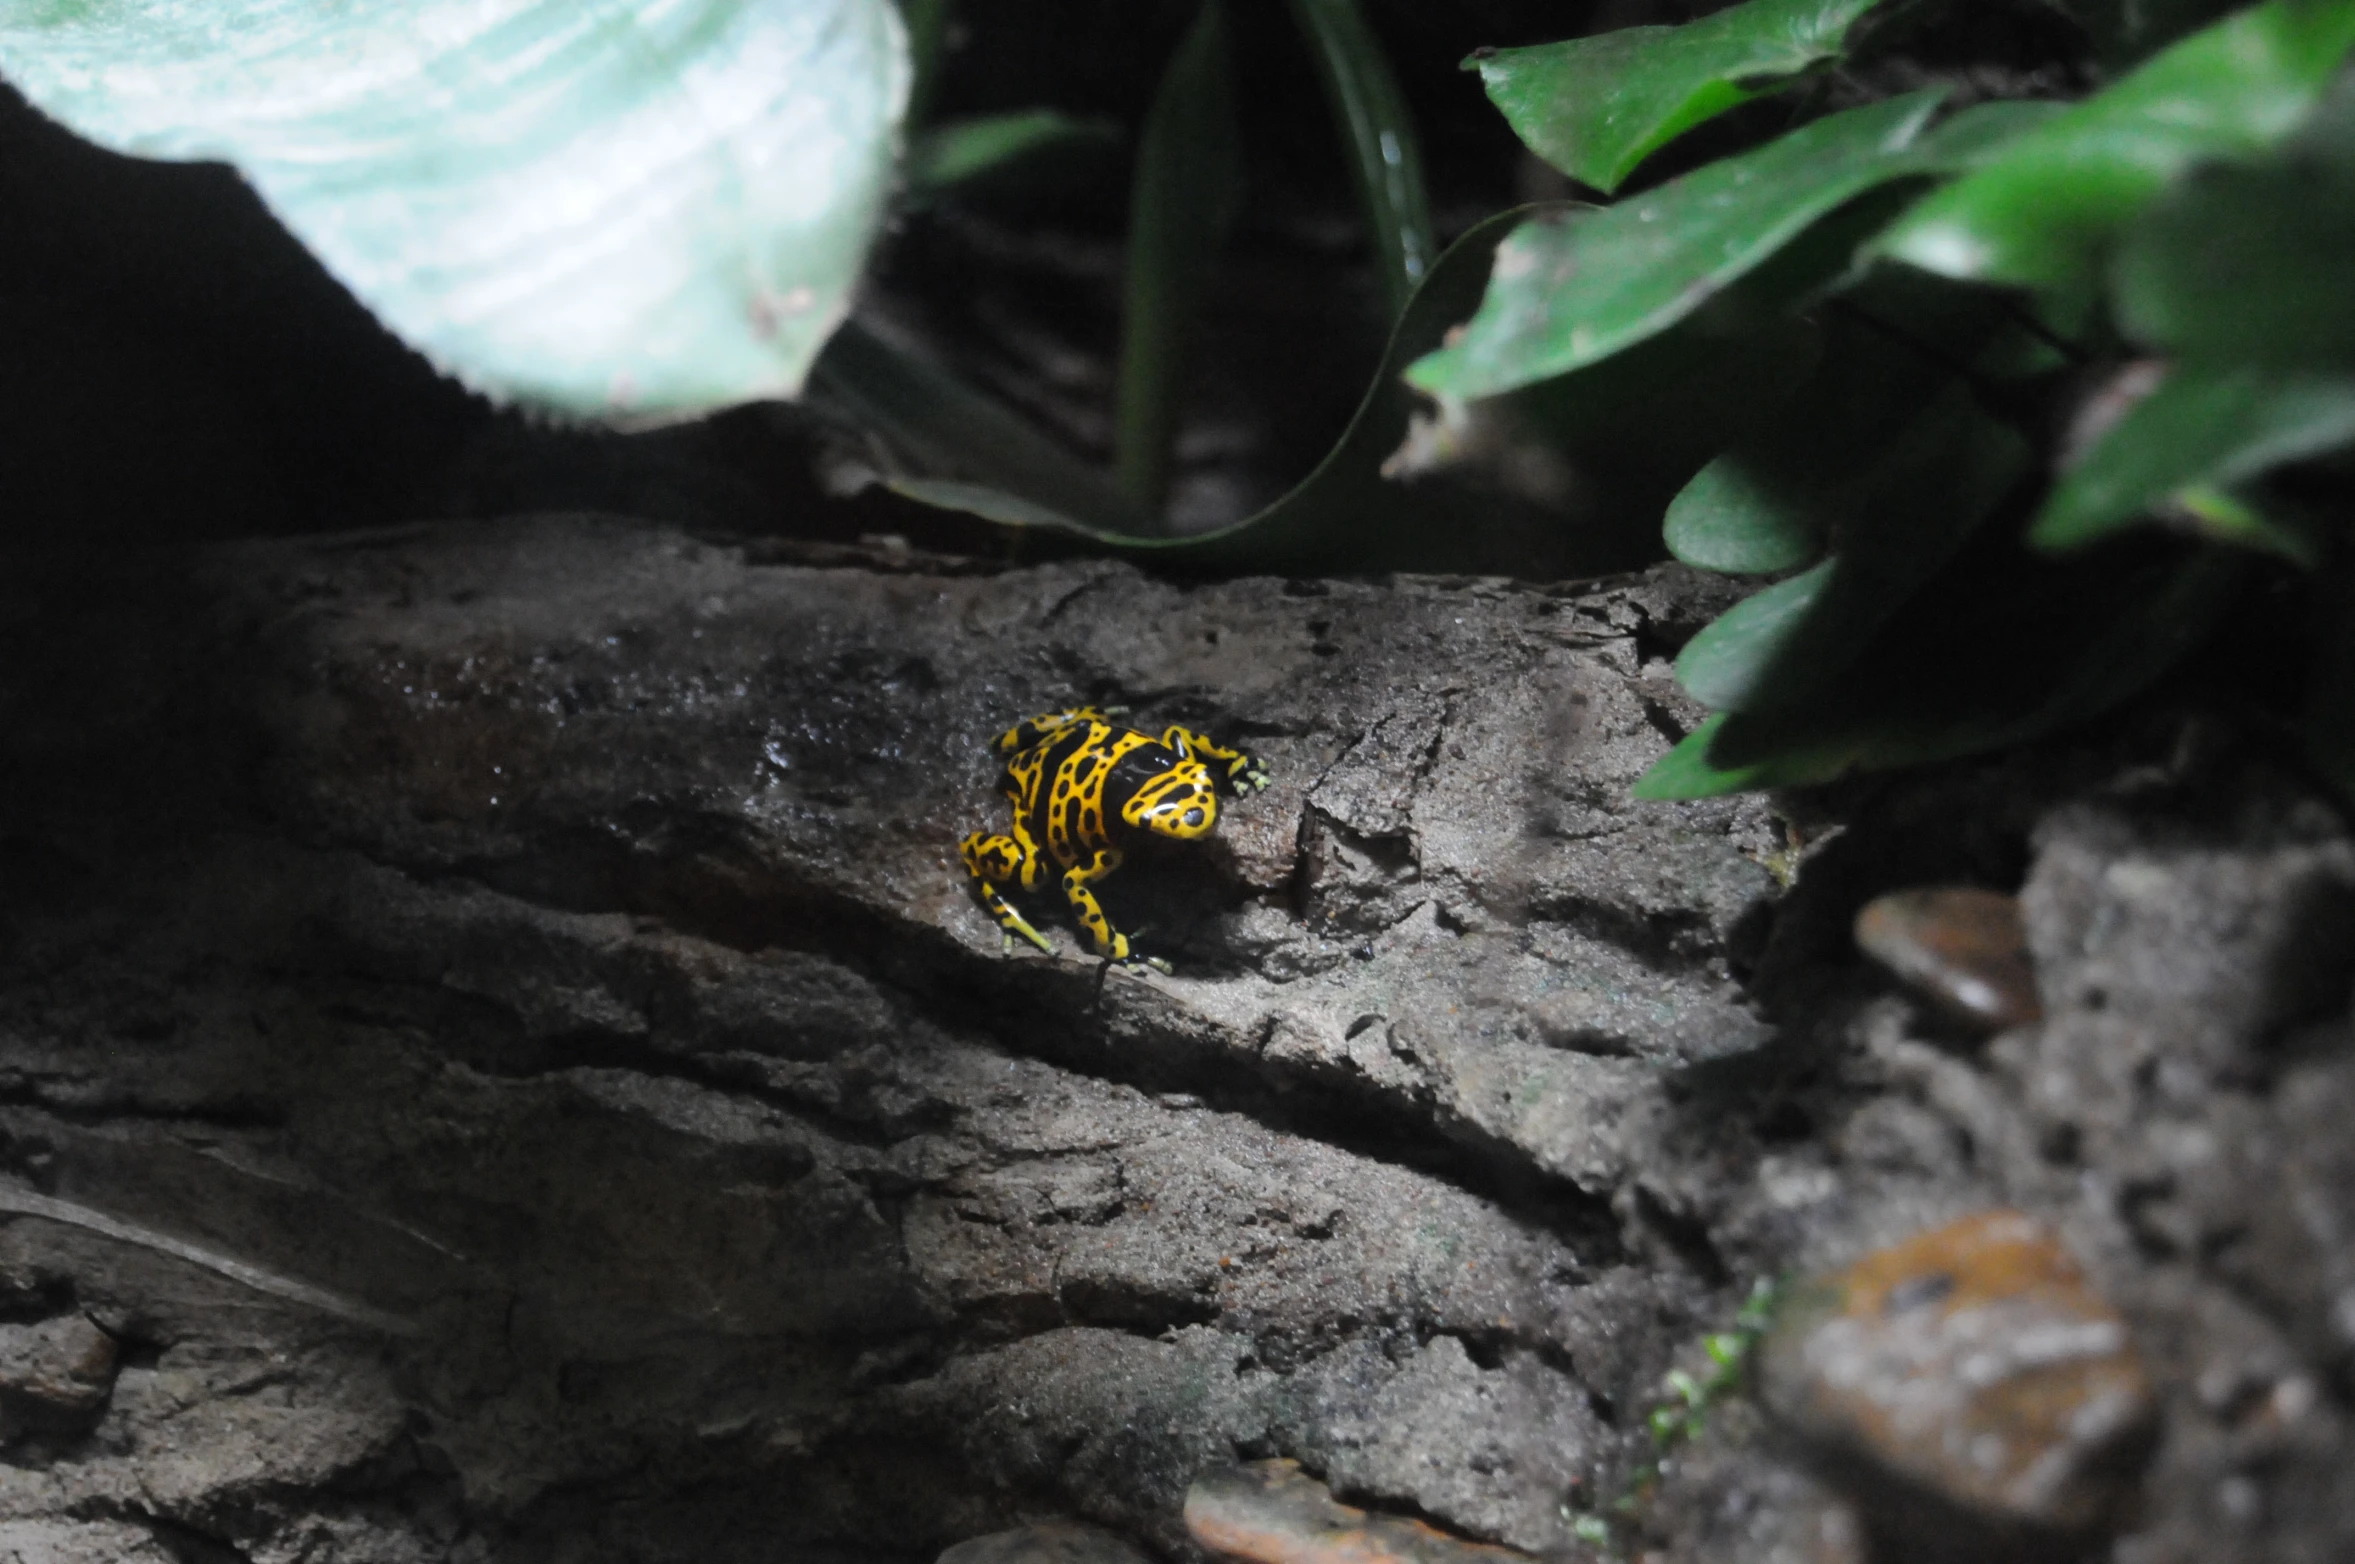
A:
x,y
1193,817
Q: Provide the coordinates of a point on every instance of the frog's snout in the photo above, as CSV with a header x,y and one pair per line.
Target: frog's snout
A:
x,y
1185,808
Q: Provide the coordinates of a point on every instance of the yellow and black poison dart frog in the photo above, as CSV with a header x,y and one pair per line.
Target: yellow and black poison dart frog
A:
x,y
1081,785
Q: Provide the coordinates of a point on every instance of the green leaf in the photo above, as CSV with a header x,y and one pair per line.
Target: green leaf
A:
x,y
1769,501
2251,261
1573,289
969,151
1936,685
1378,133
1899,521
927,23
1596,107
1185,196
2043,212
1725,665
2204,428
1737,519
598,207
1344,510
924,424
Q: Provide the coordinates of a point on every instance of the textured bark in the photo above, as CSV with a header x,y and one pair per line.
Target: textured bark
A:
x,y
497,1037
499,1031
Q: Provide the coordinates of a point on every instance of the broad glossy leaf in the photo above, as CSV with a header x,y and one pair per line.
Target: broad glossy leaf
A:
x,y
1596,107
1769,501
969,151
1899,521
2042,212
1992,657
1571,290
1724,665
1740,518
629,209
1378,135
2203,428
1187,190
2251,261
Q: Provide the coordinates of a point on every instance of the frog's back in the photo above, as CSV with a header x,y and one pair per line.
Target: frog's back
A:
x,y
1059,782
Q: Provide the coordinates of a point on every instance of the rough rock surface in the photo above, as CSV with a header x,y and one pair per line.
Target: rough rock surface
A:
x,y
495,1033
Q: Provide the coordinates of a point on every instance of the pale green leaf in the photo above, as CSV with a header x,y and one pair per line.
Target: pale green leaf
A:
x,y
636,210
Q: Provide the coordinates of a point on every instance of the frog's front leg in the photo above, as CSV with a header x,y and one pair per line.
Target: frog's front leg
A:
x,y
999,860
1110,942
1242,771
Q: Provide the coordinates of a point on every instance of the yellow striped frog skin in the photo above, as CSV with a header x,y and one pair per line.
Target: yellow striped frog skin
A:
x,y
1082,785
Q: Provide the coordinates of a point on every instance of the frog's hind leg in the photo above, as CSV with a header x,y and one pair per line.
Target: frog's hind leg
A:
x,y
1000,859
1110,943
1244,773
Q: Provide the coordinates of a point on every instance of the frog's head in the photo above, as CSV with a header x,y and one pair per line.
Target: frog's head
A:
x,y
1179,802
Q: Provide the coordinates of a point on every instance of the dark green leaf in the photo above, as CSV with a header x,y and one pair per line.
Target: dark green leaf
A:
x,y
956,457
1898,522
1184,198
1723,665
1596,107
1992,657
928,43
922,421
2043,211
965,151
2252,261
1385,157
2202,429
1574,289
1737,519
2247,519
1769,501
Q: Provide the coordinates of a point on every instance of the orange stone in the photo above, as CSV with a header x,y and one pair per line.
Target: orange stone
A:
x,y
1959,947
1971,1362
1271,1512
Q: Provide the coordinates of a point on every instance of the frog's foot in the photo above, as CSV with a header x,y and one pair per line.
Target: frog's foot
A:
x,y
1010,922
1246,775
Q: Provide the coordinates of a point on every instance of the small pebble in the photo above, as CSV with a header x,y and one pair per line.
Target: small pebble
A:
x,y
1962,949
1973,1363
1271,1512
58,1373
1045,1542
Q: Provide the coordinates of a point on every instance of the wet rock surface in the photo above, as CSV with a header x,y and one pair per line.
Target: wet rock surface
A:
x,y
495,1032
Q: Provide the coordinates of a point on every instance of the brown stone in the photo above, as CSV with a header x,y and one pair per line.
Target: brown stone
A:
x,y
1045,1542
1959,947
1271,1512
55,1373
1972,1366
